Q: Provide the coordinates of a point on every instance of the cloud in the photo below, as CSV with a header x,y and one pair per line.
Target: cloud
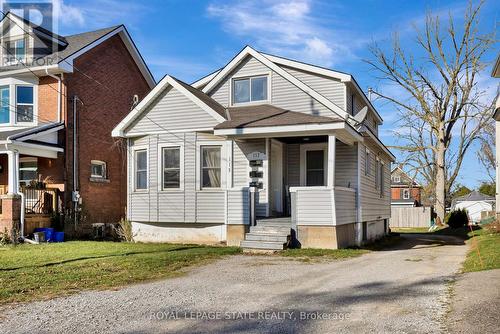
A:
x,y
286,27
68,14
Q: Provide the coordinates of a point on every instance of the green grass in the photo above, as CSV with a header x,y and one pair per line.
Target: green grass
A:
x,y
484,252
32,272
404,230
308,254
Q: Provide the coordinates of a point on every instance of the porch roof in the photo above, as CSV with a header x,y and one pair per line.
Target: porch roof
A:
x,y
268,115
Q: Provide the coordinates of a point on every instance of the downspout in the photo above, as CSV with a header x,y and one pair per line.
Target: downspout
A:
x,y
59,93
75,196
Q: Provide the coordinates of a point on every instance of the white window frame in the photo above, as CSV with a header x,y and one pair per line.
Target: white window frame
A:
x,y
406,191
12,83
105,169
25,104
397,179
250,76
303,161
377,173
223,158
161,147
16,59
382,178
27,159
134,169
368,164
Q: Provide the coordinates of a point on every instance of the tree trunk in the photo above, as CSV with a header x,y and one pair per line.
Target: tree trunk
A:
x,y
440,189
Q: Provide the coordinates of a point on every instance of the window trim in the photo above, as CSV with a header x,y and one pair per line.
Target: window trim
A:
x,y
250,76
161,147
16,60
377,173
35,104
407,191
102,163
224,165
368,165
382,178
201,167
303,162
134,169
397,179
27,159
9,108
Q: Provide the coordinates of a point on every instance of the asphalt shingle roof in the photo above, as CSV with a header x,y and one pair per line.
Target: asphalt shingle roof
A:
x,y
268,115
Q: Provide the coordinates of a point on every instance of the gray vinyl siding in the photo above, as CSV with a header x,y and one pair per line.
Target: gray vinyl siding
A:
x,y
188,205
345,206
314,207
238,209
293,165
241,170
171,111
330,88
284,94
374,206
346,165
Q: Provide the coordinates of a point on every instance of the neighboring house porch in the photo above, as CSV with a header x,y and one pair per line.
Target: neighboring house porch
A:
x,y
33,191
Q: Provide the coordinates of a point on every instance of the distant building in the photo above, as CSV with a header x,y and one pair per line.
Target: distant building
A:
x,y
475,203
405,191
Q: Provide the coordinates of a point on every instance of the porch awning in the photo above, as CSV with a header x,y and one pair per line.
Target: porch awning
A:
x,y
270,121
40,140
268,115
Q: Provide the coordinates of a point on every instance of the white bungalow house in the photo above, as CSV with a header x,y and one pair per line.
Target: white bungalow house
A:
x,y
305,138
475,203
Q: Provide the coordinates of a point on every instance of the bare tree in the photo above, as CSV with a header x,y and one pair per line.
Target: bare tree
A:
x,y
486,153
443,114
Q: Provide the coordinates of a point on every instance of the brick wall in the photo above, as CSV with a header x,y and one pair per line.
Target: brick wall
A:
x,y
47,99
397,193
104,106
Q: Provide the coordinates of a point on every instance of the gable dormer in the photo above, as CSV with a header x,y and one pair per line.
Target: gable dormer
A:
x,y
24,44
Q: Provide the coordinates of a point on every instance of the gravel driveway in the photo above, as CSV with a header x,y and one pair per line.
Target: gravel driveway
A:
x,y
399,290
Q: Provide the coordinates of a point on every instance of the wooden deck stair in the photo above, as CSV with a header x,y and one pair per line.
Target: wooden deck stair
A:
x,y
268,234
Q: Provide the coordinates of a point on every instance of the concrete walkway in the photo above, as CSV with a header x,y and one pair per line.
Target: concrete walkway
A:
x,y
399,290
475,303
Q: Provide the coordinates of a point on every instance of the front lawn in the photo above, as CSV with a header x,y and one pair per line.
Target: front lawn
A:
x,y
31,272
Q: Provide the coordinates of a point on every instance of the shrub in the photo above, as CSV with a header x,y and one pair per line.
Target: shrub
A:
x,y
457,218
124,230
493,227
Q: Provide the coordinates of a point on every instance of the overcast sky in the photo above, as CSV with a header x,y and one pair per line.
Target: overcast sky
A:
x,y
189,39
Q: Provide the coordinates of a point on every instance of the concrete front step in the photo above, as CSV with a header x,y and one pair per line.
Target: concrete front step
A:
x,y
270,229
267,237
262,245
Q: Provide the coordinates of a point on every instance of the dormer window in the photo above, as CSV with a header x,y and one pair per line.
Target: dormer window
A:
x,y
16,50
251,89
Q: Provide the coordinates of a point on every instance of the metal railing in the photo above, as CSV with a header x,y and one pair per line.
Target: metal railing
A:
x,y
40,201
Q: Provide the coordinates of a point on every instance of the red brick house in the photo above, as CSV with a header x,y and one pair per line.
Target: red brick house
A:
x,y
405,191
60,97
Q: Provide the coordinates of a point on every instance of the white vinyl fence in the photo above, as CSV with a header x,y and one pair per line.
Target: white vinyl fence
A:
x,y
410,217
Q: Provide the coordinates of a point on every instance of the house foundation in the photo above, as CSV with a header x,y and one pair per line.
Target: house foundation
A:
x,y
330,237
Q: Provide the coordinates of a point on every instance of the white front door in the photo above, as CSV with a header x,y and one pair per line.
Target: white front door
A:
x,y
276,176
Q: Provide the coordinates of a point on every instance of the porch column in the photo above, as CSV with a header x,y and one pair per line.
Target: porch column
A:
x,y
13,172
331,161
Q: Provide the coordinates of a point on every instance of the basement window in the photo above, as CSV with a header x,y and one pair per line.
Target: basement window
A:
x,y
98,169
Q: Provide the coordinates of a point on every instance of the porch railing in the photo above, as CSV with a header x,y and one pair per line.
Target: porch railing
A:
x,y
322,205
40,201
